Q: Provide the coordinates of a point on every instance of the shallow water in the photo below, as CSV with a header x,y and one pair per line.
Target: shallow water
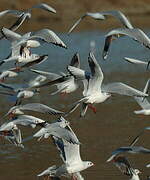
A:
x,y
113,125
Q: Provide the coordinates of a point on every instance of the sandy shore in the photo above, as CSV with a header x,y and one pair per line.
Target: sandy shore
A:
x,y
68,11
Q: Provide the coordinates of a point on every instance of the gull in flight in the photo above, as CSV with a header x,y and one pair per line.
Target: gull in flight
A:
x,y
101,16
129,149
57,129
137,61
37,107
124,166
24,15
54,129
143,102
13,136
8,74
135,33
70,154
65,83
94,90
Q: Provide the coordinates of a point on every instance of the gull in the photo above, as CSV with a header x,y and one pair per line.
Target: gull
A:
x,y
129,149
58,129
135,33
65,83
8,74
137,61
24,15
143,102
101,16
21,44
94,90
27,62
37,107
32,38
21,92
70,154
13,136
124,166
24,120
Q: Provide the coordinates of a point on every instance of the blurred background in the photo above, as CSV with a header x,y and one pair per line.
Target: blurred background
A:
x,y
68,11
114,124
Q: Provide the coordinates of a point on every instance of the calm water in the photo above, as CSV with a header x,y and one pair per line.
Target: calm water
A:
x,y
113,125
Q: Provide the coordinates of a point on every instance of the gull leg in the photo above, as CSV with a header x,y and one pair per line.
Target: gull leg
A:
x,y
74,177
92,107
63,94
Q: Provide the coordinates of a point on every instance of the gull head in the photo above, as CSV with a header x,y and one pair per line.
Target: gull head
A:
x,y
88,164
137,171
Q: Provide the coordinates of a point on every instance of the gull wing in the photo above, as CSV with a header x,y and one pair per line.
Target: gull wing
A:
x,y
40,108
56,81
97,77
142,102
49,75
36,61
135,61
72,151
97,16
45,7
27,120
48,36
123,165
10,35
135,33
75,61
120,16
128,149
123,89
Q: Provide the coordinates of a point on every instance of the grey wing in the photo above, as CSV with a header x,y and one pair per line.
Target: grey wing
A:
x,y
97,74
123,89
129,149
36,61
135,61
72,151
64,134
45,7
20,21
8,86
142,102
10,35
97,16
60,146
75,61
120,16
15,13
49,75
40,108
135,33
76,23
49,37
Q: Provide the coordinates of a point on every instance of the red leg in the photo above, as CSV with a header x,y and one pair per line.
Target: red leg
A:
x,y
63,94
92,107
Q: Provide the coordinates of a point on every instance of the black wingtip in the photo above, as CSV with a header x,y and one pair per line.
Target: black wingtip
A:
x,y
147,67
